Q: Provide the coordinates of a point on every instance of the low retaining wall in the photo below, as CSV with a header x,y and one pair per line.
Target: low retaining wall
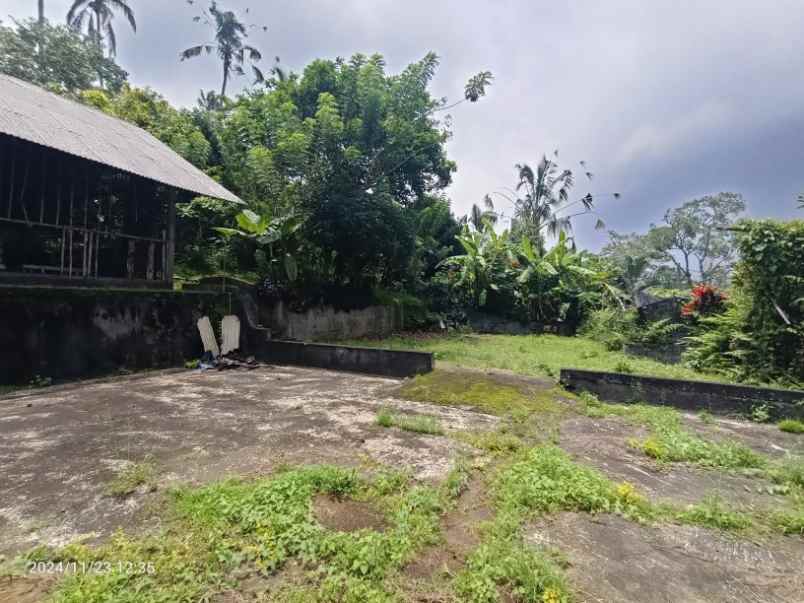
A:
x,y
496,325
392,363
717,398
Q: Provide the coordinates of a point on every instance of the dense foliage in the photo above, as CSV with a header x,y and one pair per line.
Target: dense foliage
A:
x,y
760,335
503,275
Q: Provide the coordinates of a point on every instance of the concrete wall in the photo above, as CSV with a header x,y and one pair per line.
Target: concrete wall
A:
x,y
393,363
668,353
326,323
497,325
717,398
61,333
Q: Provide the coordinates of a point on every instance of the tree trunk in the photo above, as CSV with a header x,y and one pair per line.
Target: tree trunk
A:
x,y
225,78
41,12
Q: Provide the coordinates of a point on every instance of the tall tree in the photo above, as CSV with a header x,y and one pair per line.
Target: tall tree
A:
x,y
479,217
96,17
229,44
546,194
56,57
696,240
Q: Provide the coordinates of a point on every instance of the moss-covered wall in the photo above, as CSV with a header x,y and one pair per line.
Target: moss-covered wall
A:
x,y
74,333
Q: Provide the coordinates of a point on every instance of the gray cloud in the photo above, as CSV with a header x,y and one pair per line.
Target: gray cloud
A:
x,y
664,100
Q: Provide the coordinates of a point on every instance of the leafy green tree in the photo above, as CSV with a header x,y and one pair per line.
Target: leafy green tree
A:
x,y
696,238
358,152
148,110
96,16
57,58
229,44
637,262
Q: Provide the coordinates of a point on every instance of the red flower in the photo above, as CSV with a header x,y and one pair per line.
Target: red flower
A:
x,y
706,299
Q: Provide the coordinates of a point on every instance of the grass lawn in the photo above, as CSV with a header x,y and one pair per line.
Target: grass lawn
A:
x,y
540,355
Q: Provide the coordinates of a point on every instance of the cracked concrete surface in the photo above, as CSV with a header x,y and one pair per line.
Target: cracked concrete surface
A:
x,y
59,450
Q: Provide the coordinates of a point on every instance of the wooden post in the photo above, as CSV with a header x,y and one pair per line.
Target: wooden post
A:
x,y
171,238
58,192
42,185
97,250
63,237
25,183
149,271
130,259
12,165
72,199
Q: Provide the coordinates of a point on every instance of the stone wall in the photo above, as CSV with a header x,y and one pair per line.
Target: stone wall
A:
x,y
62,333
717,398
326,323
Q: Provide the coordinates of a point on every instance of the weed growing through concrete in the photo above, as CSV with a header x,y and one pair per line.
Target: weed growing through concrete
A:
x,y
264,523
416,423
712,512
669,442
131,477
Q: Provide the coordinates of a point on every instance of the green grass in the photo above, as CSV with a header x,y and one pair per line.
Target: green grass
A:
x,y
539,355
791,426
215,530
132,477
415,423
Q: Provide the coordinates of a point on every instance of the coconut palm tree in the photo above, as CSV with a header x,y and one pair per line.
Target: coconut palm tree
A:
x,y
229,45
546,191
95,16
480,217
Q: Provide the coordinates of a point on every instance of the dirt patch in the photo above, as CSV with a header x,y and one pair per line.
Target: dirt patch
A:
x,y
614,560
460,531
347,515
603,444
25,589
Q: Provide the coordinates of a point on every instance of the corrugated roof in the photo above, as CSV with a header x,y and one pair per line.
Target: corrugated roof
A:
x,y
44,118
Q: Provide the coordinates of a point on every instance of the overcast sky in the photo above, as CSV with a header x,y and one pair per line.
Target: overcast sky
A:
x,y
665,101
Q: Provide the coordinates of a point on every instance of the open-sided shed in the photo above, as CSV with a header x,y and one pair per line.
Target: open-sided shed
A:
x,y
86,198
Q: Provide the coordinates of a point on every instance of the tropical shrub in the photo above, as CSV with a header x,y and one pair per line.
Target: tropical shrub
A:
x,y
760,335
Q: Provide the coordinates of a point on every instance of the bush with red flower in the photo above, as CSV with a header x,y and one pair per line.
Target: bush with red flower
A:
x,y
706,300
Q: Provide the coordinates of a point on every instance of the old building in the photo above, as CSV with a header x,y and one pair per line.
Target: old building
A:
x,y
85,198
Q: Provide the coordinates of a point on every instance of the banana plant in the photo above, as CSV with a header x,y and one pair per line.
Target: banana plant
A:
x,y
277,234
482,267
549,284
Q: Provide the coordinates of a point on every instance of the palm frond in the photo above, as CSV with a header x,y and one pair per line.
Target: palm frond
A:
x,y
127,12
